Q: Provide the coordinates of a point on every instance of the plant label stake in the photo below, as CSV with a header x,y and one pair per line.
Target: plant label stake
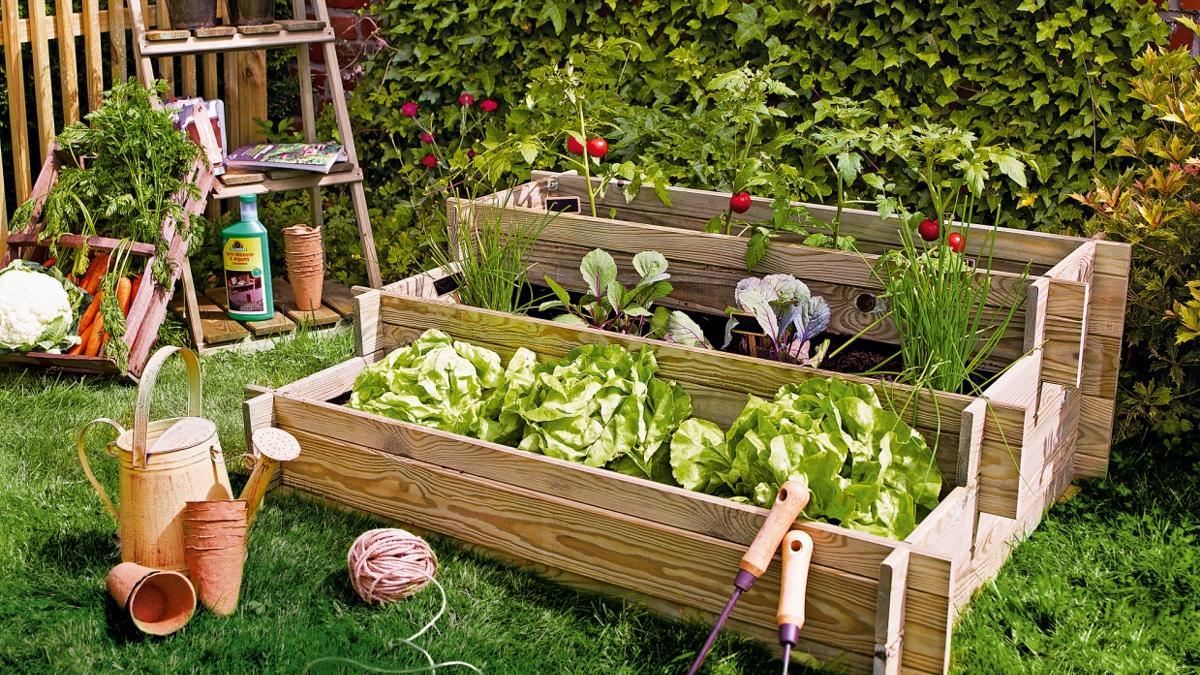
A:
x,y
792,498
797,554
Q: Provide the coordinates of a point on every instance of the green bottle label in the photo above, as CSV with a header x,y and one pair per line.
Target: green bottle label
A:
x,y
244,275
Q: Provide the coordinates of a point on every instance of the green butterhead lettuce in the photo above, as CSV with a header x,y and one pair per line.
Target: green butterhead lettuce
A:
x,y
865,468
438,382
603,406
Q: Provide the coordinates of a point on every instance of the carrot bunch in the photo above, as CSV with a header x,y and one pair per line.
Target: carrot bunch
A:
x,y
91,324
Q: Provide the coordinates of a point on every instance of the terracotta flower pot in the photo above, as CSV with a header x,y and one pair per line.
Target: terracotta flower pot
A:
x,y
305,255
215,550
189,14
159,602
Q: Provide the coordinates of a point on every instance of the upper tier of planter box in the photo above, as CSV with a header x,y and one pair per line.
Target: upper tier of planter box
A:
x,y
1071,320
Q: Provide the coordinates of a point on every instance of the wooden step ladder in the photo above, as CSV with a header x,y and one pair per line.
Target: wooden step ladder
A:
x,y
299,33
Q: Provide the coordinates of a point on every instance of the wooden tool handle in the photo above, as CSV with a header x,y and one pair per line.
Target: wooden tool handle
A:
x,y
791,500
797,554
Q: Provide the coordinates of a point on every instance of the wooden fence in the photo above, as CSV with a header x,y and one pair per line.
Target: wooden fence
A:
x,y
55,69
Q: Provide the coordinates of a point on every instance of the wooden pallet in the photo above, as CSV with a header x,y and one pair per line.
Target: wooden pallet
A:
x,y
219,329
147,309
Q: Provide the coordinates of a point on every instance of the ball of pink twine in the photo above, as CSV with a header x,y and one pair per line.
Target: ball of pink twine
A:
x,y
389,564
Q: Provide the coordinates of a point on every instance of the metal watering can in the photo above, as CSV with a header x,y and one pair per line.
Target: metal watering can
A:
x,y
164,464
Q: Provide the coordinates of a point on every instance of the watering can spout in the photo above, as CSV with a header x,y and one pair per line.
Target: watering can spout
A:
x,y
270,446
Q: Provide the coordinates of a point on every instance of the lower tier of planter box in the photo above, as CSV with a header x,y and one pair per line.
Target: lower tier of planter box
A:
x,y
869,598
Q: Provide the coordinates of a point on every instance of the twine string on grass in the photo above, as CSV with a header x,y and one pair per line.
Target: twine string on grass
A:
x,y
388,565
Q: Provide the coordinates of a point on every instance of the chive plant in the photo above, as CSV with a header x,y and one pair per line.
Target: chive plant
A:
x,y
488,254
938,300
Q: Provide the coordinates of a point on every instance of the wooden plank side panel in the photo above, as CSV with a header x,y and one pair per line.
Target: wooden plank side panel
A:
x,y
39,36
692,208
68,70
720,251
606,546
837,659
890,602
846,550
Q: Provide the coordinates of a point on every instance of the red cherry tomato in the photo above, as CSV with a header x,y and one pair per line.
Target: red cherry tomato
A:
x,y
956,242
574,146
928,229
597,147
740,202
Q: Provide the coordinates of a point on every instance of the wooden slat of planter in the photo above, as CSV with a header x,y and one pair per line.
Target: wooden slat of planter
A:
x,y
890,614
839,658
717,250
1011,403
75,240
601,545
1095,435
692,208
855,552
327,384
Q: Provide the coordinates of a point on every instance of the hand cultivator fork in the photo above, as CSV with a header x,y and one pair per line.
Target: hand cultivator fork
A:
x,y
792,498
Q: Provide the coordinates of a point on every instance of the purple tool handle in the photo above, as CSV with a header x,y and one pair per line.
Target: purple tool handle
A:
x,y
789,634
741,583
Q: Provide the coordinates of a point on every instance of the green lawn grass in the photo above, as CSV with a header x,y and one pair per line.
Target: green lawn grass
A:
x,y
1111,581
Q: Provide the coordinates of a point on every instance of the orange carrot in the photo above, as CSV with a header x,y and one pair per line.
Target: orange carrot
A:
x,y
95,271
49,262
86,320
137,283
95,338
124,294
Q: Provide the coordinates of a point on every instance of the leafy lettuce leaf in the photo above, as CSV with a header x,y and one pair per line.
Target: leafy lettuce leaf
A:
x,y
865,468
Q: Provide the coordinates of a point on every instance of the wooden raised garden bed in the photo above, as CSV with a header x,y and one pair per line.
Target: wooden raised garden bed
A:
x,y
872,602
148,307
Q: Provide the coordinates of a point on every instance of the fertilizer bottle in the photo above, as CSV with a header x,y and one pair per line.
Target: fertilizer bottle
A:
x,y
248,266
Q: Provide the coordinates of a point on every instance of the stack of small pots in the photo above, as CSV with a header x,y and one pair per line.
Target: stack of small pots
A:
x,y
305,255
214,545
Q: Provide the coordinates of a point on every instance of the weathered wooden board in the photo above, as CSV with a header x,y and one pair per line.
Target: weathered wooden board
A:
x,y
276,324
285,301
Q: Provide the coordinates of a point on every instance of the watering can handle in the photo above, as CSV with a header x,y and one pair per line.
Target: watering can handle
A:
x,y
87,469
141,413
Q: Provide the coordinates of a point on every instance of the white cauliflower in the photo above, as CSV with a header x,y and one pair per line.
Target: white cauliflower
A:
x,y
35,310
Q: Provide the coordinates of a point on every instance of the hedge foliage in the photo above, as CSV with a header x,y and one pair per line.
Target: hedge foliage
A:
x,y
1049,78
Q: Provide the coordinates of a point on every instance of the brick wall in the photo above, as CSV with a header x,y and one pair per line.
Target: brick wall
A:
x,y
1181,36
357,37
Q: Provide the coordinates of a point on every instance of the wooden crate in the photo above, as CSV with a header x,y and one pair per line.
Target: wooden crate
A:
x,y
872,601
147,309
